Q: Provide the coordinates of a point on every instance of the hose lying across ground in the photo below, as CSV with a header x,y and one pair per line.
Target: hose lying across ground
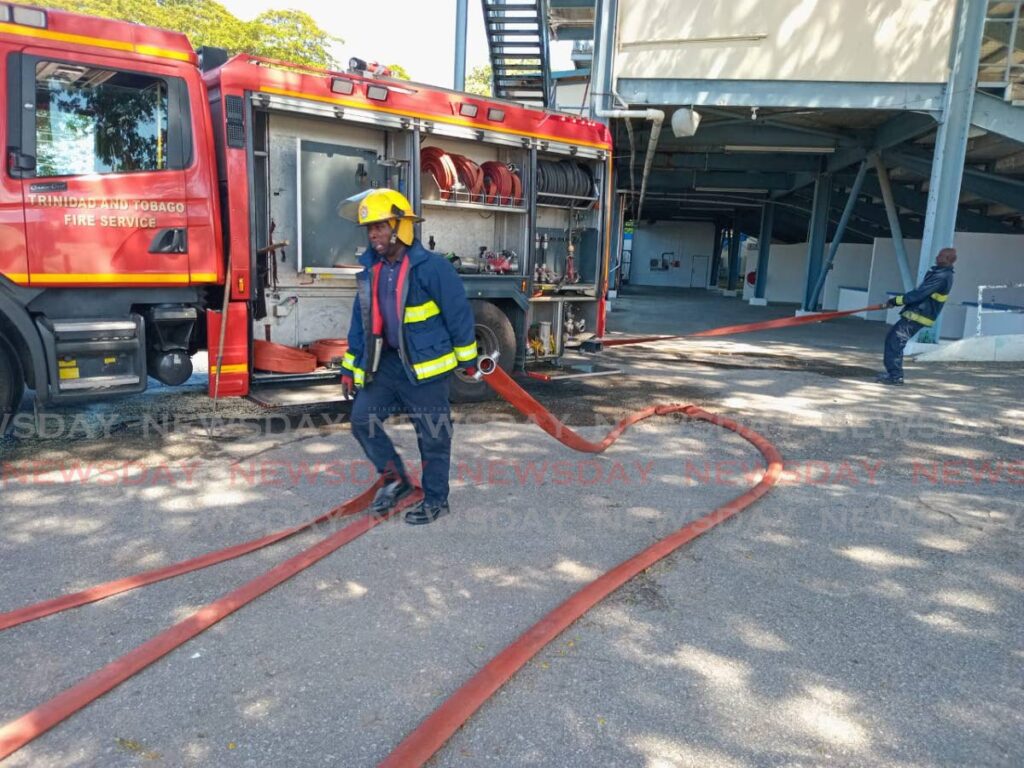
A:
x,y
420,745
734,330
438,727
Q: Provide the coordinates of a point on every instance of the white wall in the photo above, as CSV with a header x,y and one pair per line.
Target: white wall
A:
x,y
851,269
683,239
787,271
891,41
982,259
572,98
787,267
885,274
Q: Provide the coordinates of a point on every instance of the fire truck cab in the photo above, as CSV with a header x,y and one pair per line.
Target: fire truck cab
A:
x,y
155,203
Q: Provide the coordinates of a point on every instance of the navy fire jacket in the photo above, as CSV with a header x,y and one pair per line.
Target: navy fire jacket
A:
x,y
924,303
437,332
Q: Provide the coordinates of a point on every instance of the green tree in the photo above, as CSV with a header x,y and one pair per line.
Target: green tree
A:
x,y
478,80
291,36
288,35
205,23
398,71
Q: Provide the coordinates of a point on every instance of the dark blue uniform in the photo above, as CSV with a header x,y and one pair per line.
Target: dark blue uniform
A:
x,y
411,326
921,307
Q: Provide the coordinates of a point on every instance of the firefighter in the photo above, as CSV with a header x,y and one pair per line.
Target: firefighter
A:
x,y
921,307
412,325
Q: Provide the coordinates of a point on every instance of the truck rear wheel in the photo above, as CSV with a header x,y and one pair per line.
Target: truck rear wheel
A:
x,y
494,335
12,385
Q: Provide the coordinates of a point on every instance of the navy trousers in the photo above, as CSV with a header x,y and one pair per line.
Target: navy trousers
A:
x,y
902,332
392,392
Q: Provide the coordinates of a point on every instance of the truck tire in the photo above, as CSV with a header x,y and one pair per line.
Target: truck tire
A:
x,y
12,385
493,334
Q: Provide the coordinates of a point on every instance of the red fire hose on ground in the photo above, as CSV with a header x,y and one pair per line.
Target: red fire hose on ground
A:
x,y
426,739
733,330
420,745
17,733
439,726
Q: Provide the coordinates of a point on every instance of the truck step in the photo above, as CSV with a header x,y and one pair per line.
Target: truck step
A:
x,y
564,372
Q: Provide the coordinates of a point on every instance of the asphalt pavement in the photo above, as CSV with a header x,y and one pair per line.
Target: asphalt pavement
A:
x,y
868,612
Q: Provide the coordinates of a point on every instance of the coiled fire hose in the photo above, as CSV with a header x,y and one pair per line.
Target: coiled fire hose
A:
x,y
439,726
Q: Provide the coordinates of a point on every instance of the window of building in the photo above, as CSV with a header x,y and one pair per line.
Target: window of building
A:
x,y
91,120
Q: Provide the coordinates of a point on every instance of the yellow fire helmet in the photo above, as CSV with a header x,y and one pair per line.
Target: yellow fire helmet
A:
x,y
382,204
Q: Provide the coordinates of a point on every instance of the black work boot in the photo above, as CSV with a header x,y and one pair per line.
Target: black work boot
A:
x,y
886,378
426,512
389,495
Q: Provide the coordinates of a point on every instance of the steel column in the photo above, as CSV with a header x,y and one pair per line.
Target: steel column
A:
x,y
764,245
460,45
951,141
618,204
837,238
604,49
885,185
816,234
413,183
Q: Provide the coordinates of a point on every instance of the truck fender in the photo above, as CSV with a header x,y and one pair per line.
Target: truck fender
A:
x,y
17,327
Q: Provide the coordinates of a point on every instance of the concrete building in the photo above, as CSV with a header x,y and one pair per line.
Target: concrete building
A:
x,y
844,139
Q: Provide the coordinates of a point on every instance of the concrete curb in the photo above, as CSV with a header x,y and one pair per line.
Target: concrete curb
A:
x,y
986,349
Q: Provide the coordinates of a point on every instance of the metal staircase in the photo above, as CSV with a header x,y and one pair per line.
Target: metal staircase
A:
x,y
1001,69
517,36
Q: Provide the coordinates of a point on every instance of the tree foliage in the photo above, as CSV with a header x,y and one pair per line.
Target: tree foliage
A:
x,y
288,35
398,71
291,36
478,80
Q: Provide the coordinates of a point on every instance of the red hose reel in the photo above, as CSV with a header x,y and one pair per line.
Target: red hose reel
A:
x,y
460,179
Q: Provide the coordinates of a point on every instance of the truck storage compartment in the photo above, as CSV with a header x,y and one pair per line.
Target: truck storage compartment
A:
x,y
307,166
90,356
567,245
474,200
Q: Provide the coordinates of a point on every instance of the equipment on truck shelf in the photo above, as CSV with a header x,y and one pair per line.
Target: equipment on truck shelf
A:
x,y
574,323
502,263
329,352
279,358
565,182
460,179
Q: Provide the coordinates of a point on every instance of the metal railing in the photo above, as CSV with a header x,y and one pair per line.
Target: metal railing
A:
x,y
1001,65
997,306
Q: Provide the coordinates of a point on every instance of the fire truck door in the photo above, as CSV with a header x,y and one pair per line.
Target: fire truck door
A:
x,y
102,150
13,259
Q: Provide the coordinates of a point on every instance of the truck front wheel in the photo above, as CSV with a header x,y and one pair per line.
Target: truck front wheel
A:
x,y
12,385
494,335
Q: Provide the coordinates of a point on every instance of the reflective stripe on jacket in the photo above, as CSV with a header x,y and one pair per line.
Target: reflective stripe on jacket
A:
x,y
923,304
437,332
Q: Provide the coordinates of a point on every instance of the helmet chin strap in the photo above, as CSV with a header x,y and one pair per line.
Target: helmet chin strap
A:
x,y
394,234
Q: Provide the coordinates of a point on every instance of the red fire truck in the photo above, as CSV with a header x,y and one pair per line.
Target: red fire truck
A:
x,y
156,202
